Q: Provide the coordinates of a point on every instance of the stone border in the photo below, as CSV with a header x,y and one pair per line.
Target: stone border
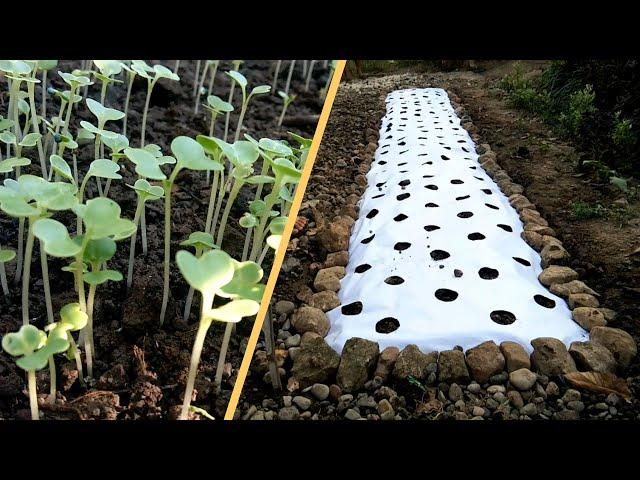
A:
x,y
316,363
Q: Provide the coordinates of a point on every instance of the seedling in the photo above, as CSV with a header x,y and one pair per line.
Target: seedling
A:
x,y
242,83
33,348
74,82
131,76
145,191
190,155
202,242
215,273
216,106
103,225
6,255
275,75
116,145
45,66
142,69
287,100
32,198
209,65
100,168
236,66
108,69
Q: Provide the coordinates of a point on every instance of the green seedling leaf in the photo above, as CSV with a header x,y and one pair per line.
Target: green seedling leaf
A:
x,y
99,251
260,90
257,179
85,136
108,68
190,154
117,144
304,142
199,240
201,411
103,114
274,241
72,267
72,315
153,149
104,168
7,255
244,153
274,147
286,195
7,166
278,225
233,311
30,140
101,218
8,138
61,167
287,170
16,206
146,163
164,72
619,182
248,221
238,78
15,67
147,191
25,341
103,276
207,274
75,80
245,282
5,123
23,106
219,105
97,131
55,238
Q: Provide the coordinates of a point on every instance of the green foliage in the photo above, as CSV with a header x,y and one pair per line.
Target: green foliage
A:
x,y
586,211
623,134
580,105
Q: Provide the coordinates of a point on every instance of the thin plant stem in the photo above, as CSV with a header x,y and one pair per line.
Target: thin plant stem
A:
x,y
243,110
44,94
88,338
228,117
265,250
76,356
150,85
195,79
20,254
247,241
176,66
218,204
212,200
132,245
187,304
309,75
26,275
227,209
275,77
44,264
212,77
167,245
288,84
196,352
33,395
34,121
75,168
223,356
3,280
132,77
52,380
199,90
284,110
143,229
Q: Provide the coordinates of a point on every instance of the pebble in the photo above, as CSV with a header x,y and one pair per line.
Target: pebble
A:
x,y
320,391
495,389
529,409
571,395
302,402
516,399
552,389
286,400
575,405
523,379
352,414
288,413
293,341
474,387
455,392
477,411
284,307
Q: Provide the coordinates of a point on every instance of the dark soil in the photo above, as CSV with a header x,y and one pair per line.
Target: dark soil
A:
x,y
604,250
140,369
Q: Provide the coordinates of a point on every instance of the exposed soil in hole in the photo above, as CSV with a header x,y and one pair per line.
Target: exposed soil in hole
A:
x,y
446,295
387,325
148,385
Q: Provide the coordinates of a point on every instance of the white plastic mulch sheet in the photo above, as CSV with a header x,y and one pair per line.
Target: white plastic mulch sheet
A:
x,y
436,258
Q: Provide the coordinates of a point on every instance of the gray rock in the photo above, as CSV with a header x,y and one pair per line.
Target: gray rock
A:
x,y
288,413
455,392
411,361
359,357
315,362
523,379
320,391
452,367
515,356
292,341
530,409
310,319
284,307
484,361
618,342
303,403
352,414
550,357
590,356
477,411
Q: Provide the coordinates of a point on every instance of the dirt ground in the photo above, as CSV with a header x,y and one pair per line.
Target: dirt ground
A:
x,y
140,369
604,250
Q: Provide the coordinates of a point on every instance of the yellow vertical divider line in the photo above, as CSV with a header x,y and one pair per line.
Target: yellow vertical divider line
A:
x,y
286,235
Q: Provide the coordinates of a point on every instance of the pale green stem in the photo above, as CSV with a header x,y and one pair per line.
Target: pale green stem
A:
x,y
150,85
193,366
143,229
265,250
88,338
227,209
26,274
218,204
20,254
176,66
132,77
33,395
243,110
288,84
45,280
195,78
167,242
284,110
260,230
199,90
34,121
96,149
309,75
212,201
132,247
223,355
3,280
247,241
76,356
187,305
44,94
230,100
52,380
75,168
275,77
